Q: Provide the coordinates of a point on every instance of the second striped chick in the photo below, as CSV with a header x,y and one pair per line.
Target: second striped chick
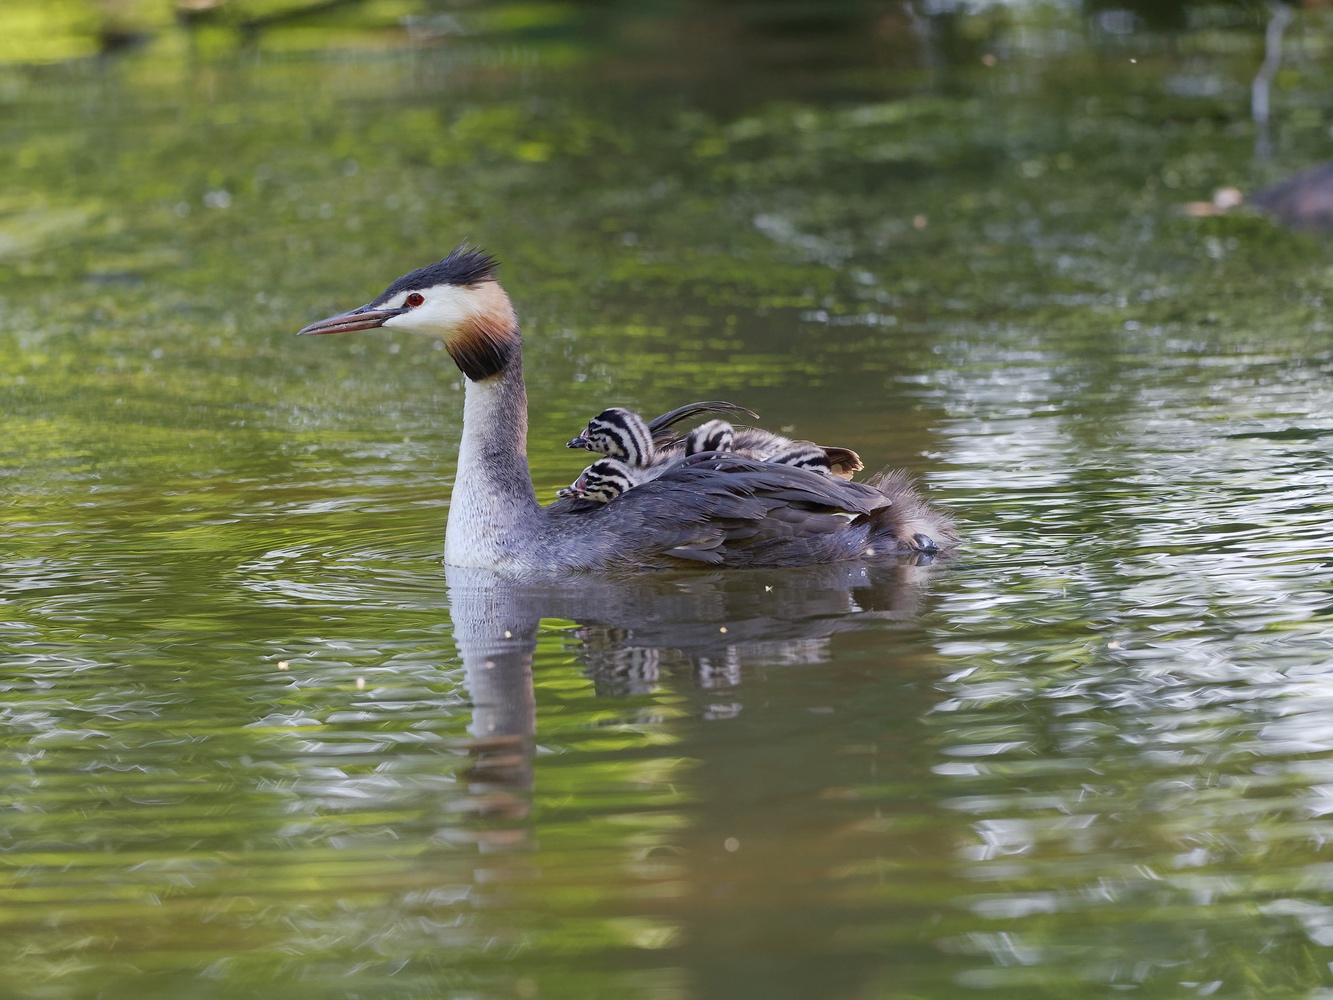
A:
x,y
603,481
764,446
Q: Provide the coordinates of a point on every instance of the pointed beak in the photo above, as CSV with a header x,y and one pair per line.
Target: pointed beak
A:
x,y
578,442
364,318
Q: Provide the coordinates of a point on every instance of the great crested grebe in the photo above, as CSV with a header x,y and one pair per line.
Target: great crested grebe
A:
x,y
765,446
641,449
637,451
723,510
622,433
608,478
643,445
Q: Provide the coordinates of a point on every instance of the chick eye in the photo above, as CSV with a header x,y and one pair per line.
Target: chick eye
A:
x,y
415,299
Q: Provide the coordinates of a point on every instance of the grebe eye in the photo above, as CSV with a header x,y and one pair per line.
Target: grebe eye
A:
x,y
415,299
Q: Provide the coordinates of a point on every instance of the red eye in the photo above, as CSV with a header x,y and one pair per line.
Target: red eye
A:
x,y
415,299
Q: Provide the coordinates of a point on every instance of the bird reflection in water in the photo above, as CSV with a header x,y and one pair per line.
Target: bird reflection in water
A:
x,y
633,634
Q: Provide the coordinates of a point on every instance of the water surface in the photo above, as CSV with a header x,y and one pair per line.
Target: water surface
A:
x,y
256,742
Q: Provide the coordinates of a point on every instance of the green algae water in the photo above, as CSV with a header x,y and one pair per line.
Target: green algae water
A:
x,y
255,741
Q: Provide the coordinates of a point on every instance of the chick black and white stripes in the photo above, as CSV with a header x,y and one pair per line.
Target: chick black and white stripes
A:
x,y
621,434
603,481
716,435
637,450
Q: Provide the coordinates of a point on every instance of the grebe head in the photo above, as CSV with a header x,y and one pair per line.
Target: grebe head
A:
x,y
603,481
618,433
456,299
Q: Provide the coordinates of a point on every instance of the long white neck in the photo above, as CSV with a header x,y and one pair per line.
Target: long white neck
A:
x,y
493,509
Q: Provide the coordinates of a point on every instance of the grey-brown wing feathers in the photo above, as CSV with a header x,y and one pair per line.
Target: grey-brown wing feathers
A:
x,y
843,461
723,510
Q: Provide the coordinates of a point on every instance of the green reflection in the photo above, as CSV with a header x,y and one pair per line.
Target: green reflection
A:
x,y
243,750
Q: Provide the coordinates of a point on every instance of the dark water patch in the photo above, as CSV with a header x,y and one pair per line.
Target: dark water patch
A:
x,y
1290,434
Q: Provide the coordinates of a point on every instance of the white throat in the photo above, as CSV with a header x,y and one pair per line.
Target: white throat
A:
x,y
493,504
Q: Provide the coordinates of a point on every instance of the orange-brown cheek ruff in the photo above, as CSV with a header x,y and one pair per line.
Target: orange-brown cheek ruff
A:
x,y
486,342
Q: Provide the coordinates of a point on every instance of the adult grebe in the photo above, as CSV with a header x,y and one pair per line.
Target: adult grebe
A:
x,y
720,510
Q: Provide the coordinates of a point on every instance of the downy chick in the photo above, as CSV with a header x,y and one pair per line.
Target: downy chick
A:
x,y
765,446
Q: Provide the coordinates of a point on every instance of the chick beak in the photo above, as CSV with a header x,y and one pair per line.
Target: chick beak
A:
x,y
364,318
578,442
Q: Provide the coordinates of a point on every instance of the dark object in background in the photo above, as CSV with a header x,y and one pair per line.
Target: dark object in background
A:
x,y
1303,202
